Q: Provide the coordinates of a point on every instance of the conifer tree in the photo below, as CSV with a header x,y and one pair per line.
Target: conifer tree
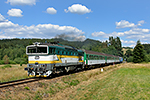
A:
x,y
6,59
138,53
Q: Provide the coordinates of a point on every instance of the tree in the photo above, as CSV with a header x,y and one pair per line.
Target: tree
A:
x,y
6,59
129,53
116,43
130,59
138,53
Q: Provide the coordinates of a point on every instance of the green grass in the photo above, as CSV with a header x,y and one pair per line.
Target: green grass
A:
x,y
12,72
27,88
125,83
6,66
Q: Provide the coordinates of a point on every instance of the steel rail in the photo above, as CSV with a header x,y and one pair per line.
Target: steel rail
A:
x,y
17,82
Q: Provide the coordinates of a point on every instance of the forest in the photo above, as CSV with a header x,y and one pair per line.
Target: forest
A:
x,y
13,51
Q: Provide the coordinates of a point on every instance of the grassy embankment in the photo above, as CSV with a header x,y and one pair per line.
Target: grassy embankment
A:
x,y
123,81
12,72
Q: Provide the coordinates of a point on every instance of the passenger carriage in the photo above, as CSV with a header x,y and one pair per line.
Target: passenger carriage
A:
x,y
97,58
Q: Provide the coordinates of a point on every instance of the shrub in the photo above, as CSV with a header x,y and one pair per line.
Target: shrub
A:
x,y
12,62
1,62
130,59
7,66
27,88
20,60
74,82
6,59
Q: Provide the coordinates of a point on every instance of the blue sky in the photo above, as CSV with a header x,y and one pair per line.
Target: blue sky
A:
x,y
76,19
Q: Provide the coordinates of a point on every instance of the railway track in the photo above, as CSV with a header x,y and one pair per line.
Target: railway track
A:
x,y
17,82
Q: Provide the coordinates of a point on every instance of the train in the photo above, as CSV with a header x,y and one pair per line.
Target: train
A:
x,y
45,59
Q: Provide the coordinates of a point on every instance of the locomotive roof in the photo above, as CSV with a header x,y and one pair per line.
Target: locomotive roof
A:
x,y
55,44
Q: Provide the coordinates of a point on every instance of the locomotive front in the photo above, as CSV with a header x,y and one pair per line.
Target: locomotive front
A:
x,y
38,60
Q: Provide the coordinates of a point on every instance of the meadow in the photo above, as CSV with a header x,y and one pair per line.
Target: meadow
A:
x,y
11,72
117,82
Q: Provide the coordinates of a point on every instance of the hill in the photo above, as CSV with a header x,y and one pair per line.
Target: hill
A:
x,y
14,50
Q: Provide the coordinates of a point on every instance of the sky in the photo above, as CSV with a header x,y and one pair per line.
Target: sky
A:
x,y
76,20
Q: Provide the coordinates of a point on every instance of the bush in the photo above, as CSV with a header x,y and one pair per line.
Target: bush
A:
x,y
20,60
12,62
130,59
1,62
6,59
74,82
6,66
22,63
27,88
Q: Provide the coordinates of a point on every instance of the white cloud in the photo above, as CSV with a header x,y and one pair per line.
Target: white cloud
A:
x,y
104,35
51,10
141,22
124,24
136,31
2,18
140,36
115,34
130,36
144,42
4,23
9,29
132,46
97,34
7,24
128,42
21,2
78,9
15,13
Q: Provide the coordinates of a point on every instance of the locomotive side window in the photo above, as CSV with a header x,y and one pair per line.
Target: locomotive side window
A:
x,y
63,52
50,50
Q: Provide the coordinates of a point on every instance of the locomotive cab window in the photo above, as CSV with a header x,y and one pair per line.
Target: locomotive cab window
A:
x,y
35,49
31,50
41,49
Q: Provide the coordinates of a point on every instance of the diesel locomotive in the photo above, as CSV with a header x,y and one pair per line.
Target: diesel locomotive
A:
x,y
45,59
